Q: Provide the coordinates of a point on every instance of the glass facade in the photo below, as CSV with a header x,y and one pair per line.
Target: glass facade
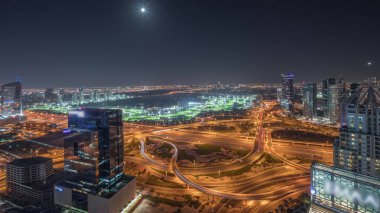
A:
x,y
344,191
11,99
310,100
287,91
94,159
353,184
81,159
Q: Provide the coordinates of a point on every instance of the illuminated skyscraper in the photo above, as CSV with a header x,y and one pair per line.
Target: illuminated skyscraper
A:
x,y
358,148
325,95
94,162
353,183
287,91
310,100
11,102
335,99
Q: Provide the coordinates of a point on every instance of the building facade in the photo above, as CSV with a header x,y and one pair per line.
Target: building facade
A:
x,y
309,100
325,94
358,147
353,183
30,180
94,162
335,100
287,91
11,102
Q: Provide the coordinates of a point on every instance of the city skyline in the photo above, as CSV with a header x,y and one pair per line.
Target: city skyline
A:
x,y
139,106
103,43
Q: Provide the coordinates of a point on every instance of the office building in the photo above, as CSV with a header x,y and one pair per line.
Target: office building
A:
x,y
30,180
309,100
50,96
81,95
11,102
325,95
335,100
287,91
279,94
94,163
353,183
359,138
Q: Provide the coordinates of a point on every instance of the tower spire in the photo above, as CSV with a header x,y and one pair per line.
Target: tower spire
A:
x,y
369,63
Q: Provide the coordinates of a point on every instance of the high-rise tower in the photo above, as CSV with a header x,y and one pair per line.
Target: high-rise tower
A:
x,y
11,101
310,100
353,183
94,162
287,91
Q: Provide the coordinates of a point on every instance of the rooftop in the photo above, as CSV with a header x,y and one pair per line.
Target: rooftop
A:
x,y
23,162
366,95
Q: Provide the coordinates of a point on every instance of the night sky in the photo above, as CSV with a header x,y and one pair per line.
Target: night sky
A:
x,y
62,43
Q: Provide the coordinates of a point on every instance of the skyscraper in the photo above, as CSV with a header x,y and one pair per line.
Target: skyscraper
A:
x,y
358,148
93,162
109,127
11,102
353,183
325,94
335,99
310,100
287,91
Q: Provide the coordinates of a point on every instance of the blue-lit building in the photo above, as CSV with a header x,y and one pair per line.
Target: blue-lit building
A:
x,y
353,183
94,163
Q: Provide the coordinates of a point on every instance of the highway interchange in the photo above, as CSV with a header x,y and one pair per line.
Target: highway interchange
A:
x,y
266,189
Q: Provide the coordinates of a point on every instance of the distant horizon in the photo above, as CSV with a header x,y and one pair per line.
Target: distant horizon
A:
x,y
98,43
206,84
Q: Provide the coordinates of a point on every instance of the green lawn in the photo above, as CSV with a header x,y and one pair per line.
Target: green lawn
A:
x,y
205,149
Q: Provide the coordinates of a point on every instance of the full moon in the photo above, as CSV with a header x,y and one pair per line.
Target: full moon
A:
x,y
143,10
